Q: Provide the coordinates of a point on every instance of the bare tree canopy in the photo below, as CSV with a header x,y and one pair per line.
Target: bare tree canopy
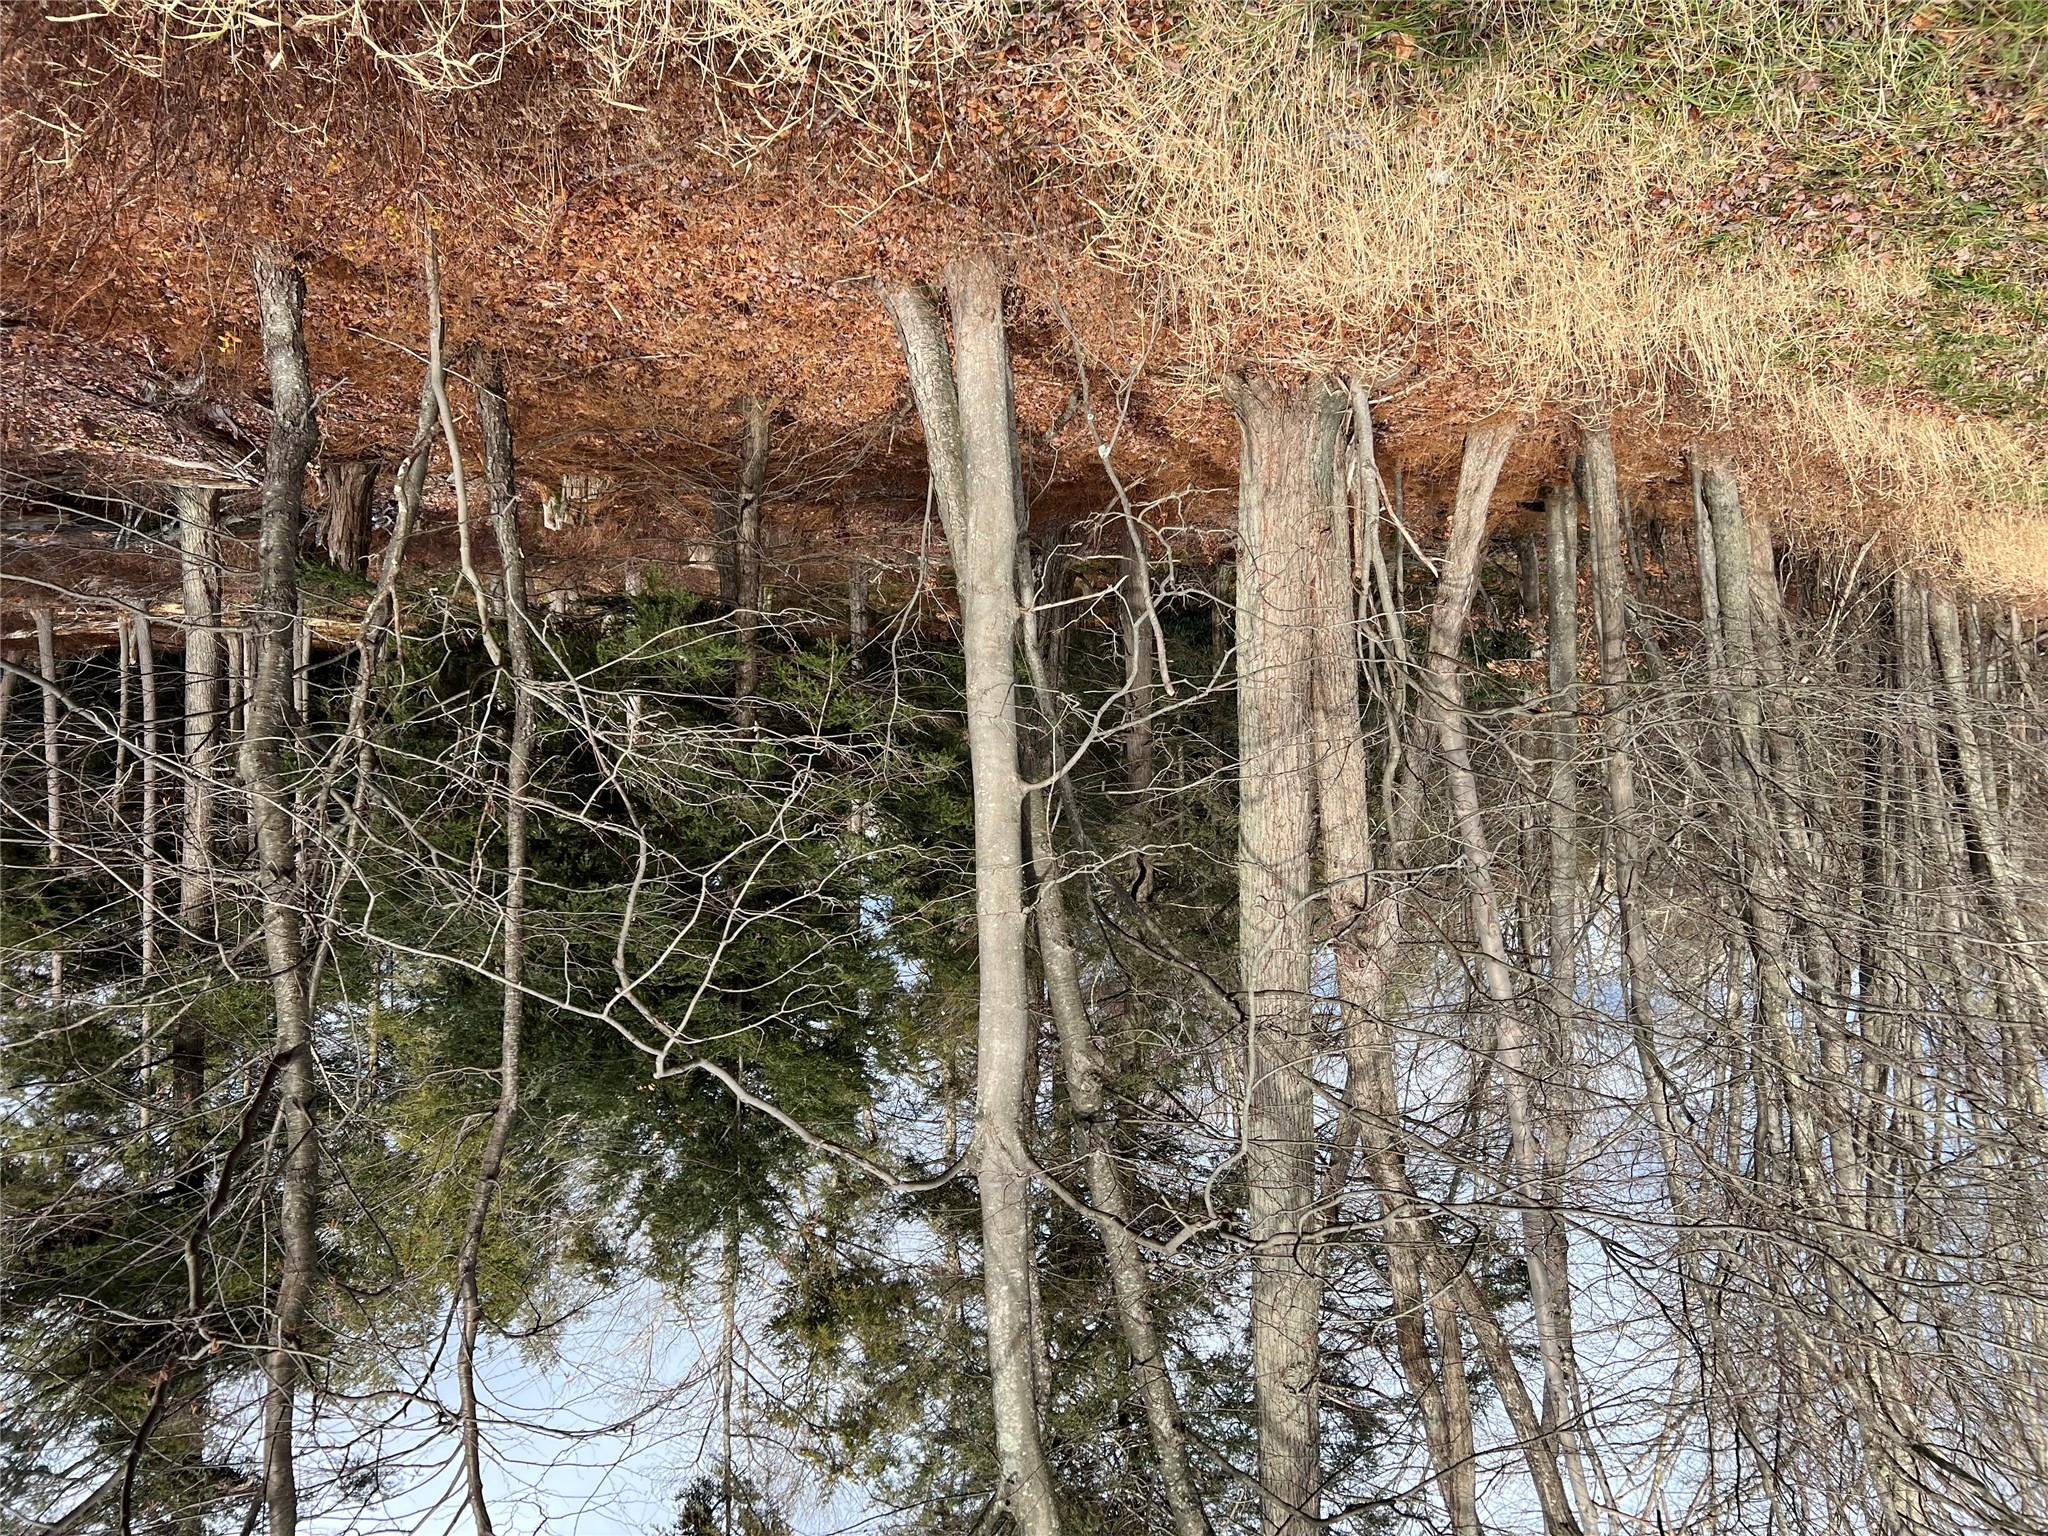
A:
x,y
1018,769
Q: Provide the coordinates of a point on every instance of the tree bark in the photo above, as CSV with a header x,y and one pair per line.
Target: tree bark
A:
x,y
53,716
970,437
747,561
1287,486
494,417
347,489
1364,927
1138,658
53,771
856,615
1529,574
1485,451
199,567
1557,1109
294,435
144,647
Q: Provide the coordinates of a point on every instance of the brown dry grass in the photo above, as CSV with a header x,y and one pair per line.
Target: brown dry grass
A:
x,y
1285,203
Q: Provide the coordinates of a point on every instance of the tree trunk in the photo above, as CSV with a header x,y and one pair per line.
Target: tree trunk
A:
x,y
294,434
1137,648
1364,927
1485,450
1529,570
495,419
199,566
970,436
145,671
1287,486
302,664
1081,1058
747,561
856,615
123,645
347,489
53,715
1557,1108
53,771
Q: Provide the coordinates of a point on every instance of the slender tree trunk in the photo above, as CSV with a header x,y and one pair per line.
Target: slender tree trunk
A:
x,y
381,613
1557,1108
856,615
494,417
1561,521
53,771
1400,544
184,1424
302,664
136,628
1485,451
199,566
237,685
970,437
123,660
145,670
1364,927
746,554
294,434
1081,1058
1137,648
53,716
1288,484
1529,571
728,1361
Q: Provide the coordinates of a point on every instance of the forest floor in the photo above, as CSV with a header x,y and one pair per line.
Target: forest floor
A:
x,y
648,257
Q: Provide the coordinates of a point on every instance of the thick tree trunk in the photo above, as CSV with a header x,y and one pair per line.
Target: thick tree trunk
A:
x,y
746,556
1081,1058
494,417
970,436
1287,485
294,434
347,489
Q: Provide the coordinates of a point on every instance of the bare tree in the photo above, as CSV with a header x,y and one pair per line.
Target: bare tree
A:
x,y
280,296
971,440
1287,486
495,416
